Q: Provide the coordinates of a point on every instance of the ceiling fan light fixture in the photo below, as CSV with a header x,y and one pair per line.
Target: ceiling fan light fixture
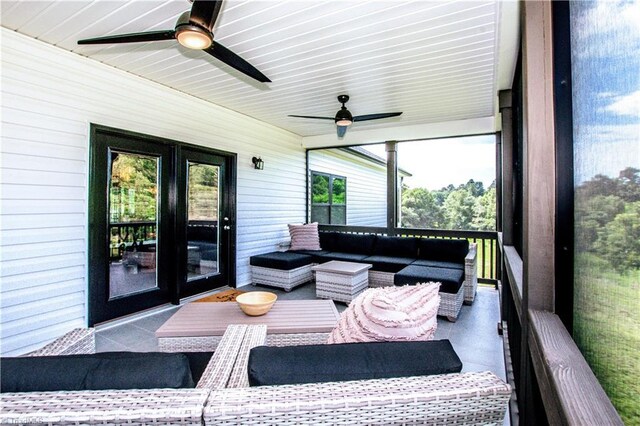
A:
x,y
193,37
344,117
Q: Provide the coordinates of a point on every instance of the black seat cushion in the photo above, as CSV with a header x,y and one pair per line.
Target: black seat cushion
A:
x,y
347,243
388,263
439,264
345,257
396,246
451,279
443,250
107,370
270,365
284,260
316,255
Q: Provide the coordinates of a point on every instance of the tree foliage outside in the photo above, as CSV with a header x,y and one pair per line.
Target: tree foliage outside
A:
x,y
203,192
467,207
133,188
607,212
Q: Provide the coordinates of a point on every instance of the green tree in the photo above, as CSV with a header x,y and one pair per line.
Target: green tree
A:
x,y
619,242
459,209
485,211
420,209
592,214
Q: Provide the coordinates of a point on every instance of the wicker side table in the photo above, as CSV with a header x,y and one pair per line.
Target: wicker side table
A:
x,y
341,281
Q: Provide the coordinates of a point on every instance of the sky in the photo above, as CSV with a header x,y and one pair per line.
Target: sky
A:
x,y
605,65
437,163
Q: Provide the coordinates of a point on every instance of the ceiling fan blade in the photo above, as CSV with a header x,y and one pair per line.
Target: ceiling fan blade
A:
x,y
310,116
131,38
342,130
205,13
234,61
375,116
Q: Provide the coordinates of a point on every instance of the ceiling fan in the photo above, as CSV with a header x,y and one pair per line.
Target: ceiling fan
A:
x,y
194,31
344,119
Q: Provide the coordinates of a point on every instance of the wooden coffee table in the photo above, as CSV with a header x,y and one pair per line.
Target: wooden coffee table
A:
x,y
198,327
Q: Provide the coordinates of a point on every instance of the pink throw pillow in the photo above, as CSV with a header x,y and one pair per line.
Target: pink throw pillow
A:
x,y
304,237
390,314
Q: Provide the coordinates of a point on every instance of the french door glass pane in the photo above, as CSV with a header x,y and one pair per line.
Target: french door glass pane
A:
x,y
202,220
133,223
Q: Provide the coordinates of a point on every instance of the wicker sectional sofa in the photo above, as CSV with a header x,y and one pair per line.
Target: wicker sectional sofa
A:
x,y
222,396
394,260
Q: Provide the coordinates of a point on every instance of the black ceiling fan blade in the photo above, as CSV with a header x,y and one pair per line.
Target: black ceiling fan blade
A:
x,y
310,116
342,130
234,61
375,116
205,13
131,38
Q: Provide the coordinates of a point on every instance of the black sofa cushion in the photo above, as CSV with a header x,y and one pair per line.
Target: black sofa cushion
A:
x,y
347,243
346,257
443,250
316,255
388,263
396,247
439,264
107,370
451,279
270,365
284,260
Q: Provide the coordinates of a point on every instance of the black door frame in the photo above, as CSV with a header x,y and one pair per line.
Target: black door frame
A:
x,y
169,272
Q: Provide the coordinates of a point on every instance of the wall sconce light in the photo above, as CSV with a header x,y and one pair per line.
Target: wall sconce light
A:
x,y
258,164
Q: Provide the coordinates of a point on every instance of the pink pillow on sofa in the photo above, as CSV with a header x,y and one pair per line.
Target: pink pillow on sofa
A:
x,y
390,314
304,237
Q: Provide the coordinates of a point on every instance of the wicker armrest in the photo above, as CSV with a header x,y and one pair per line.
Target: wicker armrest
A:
x,y
233,349
472,256
76,341
139,406
467,398
471,274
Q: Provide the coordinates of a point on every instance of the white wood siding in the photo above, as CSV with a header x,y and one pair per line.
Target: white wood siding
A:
x,y
366,185
49,98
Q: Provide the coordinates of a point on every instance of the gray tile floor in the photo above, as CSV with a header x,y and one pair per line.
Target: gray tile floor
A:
x,y
474,335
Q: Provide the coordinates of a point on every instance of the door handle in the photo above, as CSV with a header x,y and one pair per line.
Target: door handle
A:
x,y
226,227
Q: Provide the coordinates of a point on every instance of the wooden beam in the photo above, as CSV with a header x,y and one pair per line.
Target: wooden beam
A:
x,y
570,391
506,156
539,158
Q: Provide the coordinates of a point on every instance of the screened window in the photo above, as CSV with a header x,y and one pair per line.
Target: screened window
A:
x,y
606,143
328,199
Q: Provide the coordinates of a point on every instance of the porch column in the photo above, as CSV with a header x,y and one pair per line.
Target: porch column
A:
x,y
392,184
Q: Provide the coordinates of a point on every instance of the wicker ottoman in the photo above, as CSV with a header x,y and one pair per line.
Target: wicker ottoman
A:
x,y
341,281
285,270
451,288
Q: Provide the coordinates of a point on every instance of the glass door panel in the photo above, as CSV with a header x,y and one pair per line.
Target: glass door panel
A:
x,y
203,205
133,223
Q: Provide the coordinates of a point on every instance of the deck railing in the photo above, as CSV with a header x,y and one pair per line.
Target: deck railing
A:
x,y
486,241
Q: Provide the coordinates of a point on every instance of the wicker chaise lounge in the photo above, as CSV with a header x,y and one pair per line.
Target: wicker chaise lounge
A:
x,y
222,396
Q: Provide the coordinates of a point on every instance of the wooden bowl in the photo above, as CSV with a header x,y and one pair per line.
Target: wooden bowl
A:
x,y
256,303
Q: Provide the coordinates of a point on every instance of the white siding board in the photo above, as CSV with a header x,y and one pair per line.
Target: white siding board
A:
x,y
30,236
366,185
36,279
50,97
24,296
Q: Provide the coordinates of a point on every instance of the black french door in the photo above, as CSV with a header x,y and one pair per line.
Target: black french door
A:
x,y
161,222
204,219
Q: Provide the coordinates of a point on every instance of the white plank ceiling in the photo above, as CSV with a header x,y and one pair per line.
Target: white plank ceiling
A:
x,y
434,60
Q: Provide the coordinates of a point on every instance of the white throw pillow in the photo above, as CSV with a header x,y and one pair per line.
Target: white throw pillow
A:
x,y
390,314
304,237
